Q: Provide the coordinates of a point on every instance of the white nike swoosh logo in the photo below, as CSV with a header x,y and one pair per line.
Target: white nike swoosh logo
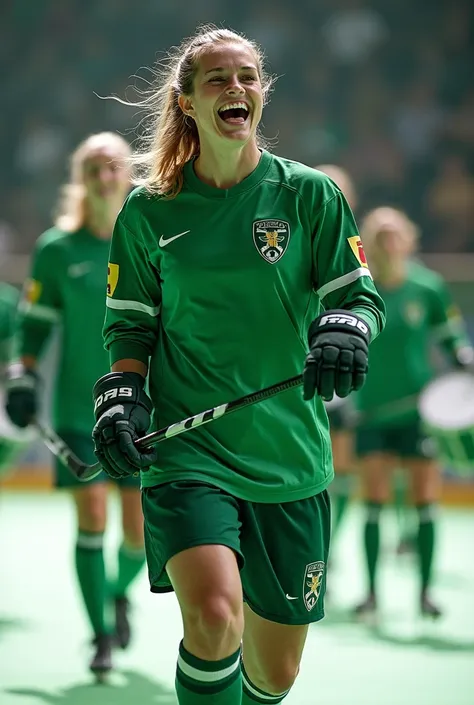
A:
x,y
79,269
163,242
288,597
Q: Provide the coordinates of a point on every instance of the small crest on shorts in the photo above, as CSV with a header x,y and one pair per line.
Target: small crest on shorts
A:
x,y
271,238
312,583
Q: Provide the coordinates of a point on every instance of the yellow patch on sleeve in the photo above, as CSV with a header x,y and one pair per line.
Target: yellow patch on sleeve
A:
x,y
356,247
112,278
454,312
32,291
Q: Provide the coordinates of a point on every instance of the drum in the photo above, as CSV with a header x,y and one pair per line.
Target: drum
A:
x,y
13,440
446,407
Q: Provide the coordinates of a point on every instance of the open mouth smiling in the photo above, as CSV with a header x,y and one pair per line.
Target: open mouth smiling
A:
x,y
234,113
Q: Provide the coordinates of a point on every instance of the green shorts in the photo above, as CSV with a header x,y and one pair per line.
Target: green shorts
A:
x,y
282,549
405,440
9,453
81,444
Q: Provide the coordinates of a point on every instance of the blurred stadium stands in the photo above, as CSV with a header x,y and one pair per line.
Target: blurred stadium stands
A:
x,y
380,87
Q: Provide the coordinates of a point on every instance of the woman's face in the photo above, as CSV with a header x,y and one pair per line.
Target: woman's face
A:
x,y
392,237
227,102
106,178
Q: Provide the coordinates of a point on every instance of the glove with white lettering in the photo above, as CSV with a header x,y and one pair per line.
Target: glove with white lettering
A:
x,y
337,362
122,411
22,391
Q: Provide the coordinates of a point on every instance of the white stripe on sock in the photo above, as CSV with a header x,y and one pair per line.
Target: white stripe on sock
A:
x,y
258,694
131,552
207,676
92,541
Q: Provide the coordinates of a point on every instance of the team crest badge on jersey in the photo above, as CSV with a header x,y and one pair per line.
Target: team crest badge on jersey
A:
x,y
312,583
271,238
32,291
112,278
413,313
357,248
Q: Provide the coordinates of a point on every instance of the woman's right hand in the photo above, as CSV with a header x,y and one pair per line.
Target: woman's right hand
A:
x,y
123,413
22,392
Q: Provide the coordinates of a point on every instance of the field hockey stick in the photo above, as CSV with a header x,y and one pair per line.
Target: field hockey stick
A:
x,y
84,472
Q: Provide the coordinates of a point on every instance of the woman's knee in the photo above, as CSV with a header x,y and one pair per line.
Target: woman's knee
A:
x,y
91,507
214,613
278,680
211,602
132,517
376,472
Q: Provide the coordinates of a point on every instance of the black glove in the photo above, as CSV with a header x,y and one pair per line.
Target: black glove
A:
x,y
22,391
337,361
122,411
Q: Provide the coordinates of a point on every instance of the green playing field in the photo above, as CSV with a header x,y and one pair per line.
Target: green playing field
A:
x,y
44,638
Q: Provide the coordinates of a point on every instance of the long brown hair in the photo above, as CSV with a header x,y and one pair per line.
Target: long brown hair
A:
x,y
70,214
169,138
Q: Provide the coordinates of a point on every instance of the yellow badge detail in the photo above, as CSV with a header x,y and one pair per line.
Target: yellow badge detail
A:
x,y
112,278
32,290
453,313
356,247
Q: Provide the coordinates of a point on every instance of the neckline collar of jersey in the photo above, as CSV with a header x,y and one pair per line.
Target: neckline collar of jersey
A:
x,y
195,183
89,235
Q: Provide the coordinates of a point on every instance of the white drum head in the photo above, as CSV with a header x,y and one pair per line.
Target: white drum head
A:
x,y
448,402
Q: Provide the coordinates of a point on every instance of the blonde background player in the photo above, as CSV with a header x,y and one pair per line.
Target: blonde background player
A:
x,y
419,313
66,290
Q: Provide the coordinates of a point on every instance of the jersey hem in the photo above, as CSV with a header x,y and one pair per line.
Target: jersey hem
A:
x,y
275,497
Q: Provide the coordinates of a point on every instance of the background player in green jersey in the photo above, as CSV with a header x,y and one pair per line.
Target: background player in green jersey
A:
x,y
66,291
219,263
419,311
12,439
342,436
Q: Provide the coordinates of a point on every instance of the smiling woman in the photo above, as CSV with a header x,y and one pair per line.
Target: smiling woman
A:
x,y
214,85
223,256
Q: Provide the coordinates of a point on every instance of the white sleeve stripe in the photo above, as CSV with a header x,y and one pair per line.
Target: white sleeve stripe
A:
x,y
343,281
124,305
39,311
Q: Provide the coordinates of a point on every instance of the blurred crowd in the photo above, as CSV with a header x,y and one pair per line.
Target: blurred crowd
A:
x,y
383,88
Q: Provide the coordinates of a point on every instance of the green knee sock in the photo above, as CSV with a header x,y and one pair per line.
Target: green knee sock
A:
x,y
400,501
340,490
251,694
90,570
130,562
426,543
200,682
372,541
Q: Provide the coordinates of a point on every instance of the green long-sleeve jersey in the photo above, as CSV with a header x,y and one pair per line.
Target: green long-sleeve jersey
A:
x,y
420,314
66,292
8,303
216,289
